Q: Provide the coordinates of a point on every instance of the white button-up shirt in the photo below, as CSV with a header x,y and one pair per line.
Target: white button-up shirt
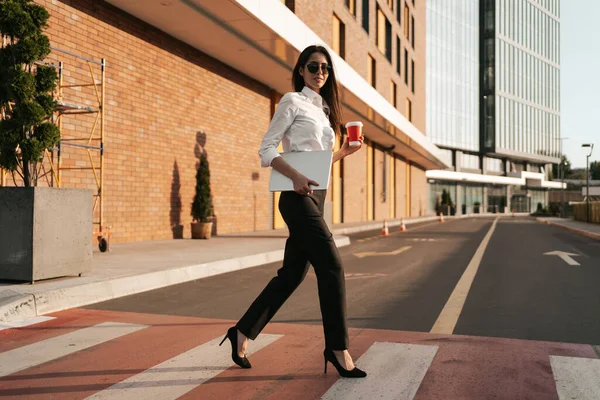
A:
x,y
300,124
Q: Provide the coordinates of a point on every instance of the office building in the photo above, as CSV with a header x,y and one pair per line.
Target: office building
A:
x,y
493,89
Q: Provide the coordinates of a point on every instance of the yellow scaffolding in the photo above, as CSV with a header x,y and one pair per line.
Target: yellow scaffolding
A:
x,y
93,142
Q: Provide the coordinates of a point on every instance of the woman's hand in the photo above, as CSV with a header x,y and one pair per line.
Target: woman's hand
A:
x,y
301,184
347,149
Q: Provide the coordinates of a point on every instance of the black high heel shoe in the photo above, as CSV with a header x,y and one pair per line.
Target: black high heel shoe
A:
x,y
232,336
344,373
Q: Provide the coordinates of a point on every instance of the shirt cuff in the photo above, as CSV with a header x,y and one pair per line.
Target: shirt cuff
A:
x,y
268,156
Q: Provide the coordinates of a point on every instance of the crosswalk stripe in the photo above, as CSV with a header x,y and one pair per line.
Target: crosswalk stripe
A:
x,y
395,371
576,378
24,322
181,374
47,350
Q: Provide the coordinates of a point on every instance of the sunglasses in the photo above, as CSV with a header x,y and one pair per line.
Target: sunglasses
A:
x,y
313,68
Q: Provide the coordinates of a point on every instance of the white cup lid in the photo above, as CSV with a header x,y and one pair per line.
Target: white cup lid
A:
x,y
354,123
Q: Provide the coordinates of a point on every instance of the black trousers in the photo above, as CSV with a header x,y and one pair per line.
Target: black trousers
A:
x,y
310,242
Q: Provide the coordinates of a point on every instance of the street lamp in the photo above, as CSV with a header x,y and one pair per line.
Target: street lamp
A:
x,y
561,174
587,177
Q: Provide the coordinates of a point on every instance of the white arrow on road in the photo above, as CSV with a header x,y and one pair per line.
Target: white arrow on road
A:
x,y
564,255
383,253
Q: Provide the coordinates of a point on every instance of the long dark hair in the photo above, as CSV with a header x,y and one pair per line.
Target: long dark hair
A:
x,y
329,92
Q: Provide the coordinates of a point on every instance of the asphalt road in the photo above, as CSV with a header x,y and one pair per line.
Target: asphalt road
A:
x,y
518,291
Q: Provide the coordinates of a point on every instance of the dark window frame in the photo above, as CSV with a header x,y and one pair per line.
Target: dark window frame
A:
x,y
412,31
398,56
412,75
365,15
373,71
347,4
342,34
388,39
406,66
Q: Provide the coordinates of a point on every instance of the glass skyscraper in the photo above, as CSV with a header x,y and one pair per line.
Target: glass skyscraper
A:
x,y
520,78
453,73
493,75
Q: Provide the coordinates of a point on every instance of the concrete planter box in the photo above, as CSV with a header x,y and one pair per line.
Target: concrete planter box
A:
x,y
45,233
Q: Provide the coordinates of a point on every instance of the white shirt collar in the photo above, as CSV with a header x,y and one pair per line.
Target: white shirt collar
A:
x,y
313,96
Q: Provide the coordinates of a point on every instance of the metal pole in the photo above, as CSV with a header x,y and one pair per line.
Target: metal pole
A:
x,y
587,193
561,176
562,192
101,197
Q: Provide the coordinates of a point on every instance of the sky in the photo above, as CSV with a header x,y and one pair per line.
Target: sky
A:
x,y
580,79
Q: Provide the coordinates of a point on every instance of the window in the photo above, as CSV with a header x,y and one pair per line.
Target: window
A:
x,y
384,35
388,40
409,110
380,38
351,5
406,13
406,66
365,15
488,21
289,4
372,71
412,75
412,31
398,54
399,12
339,37
390,4
394,94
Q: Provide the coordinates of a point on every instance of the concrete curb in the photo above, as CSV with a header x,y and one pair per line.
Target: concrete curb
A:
x,y
29,305
17,307
582,232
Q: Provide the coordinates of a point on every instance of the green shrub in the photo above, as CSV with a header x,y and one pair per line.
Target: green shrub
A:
x,y
202,206
26,101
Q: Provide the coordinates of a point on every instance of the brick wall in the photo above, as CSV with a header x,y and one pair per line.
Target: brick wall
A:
x,y
419,192
164,102
401,188
419,100
355,186
382,208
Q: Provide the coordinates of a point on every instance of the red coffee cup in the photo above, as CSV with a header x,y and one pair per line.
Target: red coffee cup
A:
x,y
354,130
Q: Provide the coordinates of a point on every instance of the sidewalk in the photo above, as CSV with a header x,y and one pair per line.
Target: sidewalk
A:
x,y
131,268
582,228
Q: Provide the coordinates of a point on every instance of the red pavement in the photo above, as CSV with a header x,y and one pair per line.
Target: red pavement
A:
x,y
290,368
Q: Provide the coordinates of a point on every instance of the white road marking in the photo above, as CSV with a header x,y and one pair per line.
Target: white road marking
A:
x,y
566,257
446,321
50,349
382,253
576,378
394,372
24,322
181,374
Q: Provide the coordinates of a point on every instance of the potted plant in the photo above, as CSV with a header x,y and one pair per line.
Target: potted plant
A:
x,y
447,205
476,207
202,206
51,223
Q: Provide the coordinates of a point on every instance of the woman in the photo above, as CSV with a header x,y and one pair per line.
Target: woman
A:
x,y
303,121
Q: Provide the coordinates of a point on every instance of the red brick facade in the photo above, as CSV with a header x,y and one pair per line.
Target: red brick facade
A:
x,y
165,101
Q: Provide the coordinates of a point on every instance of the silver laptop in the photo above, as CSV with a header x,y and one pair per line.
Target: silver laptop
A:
x,y
315,165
